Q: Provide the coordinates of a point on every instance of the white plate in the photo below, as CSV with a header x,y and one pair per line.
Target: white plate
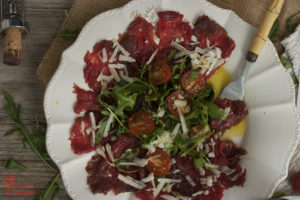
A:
x,y
272,126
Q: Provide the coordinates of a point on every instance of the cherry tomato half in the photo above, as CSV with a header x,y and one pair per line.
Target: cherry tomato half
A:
x,y
193,82
296,182
160,73
141,123
178,97
159,163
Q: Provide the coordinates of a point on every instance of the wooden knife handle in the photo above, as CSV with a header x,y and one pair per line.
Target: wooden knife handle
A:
x,y
263,30
12,46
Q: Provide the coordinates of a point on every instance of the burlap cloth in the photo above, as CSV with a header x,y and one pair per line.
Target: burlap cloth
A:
x,y
83,10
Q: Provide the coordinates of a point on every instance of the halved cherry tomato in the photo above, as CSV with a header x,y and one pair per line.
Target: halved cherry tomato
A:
x,y
159,163
180,97
141,123
296,182
160,73
193,82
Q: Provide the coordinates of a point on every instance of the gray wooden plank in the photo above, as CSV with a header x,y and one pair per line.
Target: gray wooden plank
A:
x,y
45,18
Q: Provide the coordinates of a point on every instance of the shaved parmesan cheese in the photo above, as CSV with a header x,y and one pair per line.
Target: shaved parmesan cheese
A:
x,y
202,172
159,187
126,78
156,39
152,57
206,192
175,130
180,103
149,178
211,155
113,56
173,161
104,54
209,181
132,182
182,121
126,58
163,141
168,197
227,110
93,120
150,147
115,74
168,180
182,53
176,171
198,193
161,112
108,124
209,165
89,130
82,127
109,152
194,39
238,175
136,162
117,66
190,180
101,151
178,46
117,44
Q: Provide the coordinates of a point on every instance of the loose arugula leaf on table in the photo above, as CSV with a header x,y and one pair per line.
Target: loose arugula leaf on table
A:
x,y
36,141
70,34
51,190
291,22
12,164
274,30
15,113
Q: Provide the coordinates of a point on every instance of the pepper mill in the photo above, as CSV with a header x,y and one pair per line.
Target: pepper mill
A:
x,y
13,27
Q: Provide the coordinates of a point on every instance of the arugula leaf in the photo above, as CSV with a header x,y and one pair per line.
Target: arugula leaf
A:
x,y
128,156
12,164
274,30
206,94
199,114
199,162
146,139
100,131
278,195
52,189
290,22
10,132
36,141
144,69
69,35
214,111
289,65
171,56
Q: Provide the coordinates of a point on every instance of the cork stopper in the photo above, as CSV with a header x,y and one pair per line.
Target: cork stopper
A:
x,y
12,52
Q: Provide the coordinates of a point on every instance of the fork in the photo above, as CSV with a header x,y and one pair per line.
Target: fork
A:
x,y
235,90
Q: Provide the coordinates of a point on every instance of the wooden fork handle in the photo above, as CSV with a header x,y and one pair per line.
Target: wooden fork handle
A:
x,y
263,30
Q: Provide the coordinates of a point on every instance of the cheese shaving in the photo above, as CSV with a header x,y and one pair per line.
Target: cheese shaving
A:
x,y
109,152
93,120
115,74
126,78
101,151
132,182
178,46
116,66
113,56
108,124
168,197
82,127
168,180
182,121
158,188
126,58
175,130
190,180
152,57
198,193
136,162
124,51
149,178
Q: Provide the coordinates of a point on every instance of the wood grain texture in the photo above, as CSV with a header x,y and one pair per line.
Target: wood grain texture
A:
x,y
45,18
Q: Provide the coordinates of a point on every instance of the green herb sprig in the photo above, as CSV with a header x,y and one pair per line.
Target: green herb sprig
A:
x,y
36,141
70,34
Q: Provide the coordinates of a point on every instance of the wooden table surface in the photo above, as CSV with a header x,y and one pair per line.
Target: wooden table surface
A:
x,y
45,18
